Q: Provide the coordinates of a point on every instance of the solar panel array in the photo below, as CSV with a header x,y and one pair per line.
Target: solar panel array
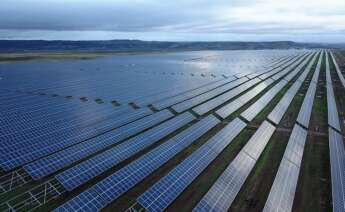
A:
x,y
116,184
211,104
80,145
337,160
160,195
54,162
336,145
340,75
225,189
188,95
282,193
117,77
104,161
24,151
306,108
278,112
333,119
287,175
228,109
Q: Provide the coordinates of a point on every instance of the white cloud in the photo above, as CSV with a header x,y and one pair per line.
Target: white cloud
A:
x,y
301,20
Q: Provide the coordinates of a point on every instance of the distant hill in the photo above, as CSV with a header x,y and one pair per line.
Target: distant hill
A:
x,y
137,45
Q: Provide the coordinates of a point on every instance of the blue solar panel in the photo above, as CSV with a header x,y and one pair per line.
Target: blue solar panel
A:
x,y
340,75
287,175
83,116
337,162
206,96
227,186
92,167
179,98
161,194
87,201
121,181
333,118
15,141
226,110
250,113
213,103
52,163
47,144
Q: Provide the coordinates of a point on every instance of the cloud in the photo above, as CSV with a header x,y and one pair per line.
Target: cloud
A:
x,y
307,20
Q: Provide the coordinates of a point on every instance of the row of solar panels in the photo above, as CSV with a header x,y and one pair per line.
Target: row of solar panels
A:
x,y
223,192
27,100
52,133
288,172
68,156
88,146
184,102
110,83
336,143
113,186
109,88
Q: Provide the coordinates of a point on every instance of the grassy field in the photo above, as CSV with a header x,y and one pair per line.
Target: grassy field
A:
x,y
29,56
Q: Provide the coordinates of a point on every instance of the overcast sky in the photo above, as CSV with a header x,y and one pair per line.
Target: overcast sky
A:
x,y
176,20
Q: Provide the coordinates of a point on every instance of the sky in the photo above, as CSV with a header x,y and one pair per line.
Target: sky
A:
x,y
177,20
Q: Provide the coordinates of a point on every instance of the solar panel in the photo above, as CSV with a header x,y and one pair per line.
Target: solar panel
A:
x,y
174,96
253,75
318,68
213,103
264,71
291,70
250,113
340,75
206,96
284,186
295,147
307,106
93,200
96,165
333,119
20,132
267,75
249,95
224,190
304,74
279,70
28,114
337,161
16,141
229,108
278,112
283,189
258,141
54,162
180,98
226,110
121,181
161,194
24,110
47,144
